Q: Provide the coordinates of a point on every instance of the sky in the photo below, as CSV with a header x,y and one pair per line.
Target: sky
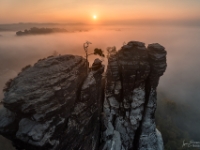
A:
x,y
106,11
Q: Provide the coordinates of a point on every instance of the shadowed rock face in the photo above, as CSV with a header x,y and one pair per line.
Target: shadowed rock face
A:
x,y
130,97
148,134
46,107
54,105
83,128
127,72
58,105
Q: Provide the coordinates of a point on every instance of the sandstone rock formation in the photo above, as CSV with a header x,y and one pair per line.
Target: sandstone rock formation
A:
x,y
130,97
41,100
83,128
149,136
58,105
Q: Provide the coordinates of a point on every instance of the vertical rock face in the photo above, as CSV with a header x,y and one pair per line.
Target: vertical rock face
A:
x,y
149,135
41,99
130,97
83,128
58,105
52,103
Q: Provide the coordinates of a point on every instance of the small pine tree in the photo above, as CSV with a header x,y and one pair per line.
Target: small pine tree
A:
x,y
99,52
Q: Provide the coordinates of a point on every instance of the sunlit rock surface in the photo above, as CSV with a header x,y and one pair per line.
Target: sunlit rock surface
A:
x,y
60,104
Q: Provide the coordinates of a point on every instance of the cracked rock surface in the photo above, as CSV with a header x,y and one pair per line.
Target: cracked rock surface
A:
x,y
58,104
130,97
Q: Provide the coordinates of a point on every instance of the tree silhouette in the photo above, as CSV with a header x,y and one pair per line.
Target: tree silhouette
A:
x,y
99,52
85,47
110,50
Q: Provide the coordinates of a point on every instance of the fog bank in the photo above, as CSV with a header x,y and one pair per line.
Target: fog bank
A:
x,y
180,82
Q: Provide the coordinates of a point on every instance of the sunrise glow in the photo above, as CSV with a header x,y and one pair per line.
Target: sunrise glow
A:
x,y
120,12
94,17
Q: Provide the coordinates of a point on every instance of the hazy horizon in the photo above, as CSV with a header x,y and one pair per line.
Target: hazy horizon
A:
x,y
111,11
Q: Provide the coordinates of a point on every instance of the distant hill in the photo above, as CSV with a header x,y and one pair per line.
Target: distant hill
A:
x,y
36,30
21,26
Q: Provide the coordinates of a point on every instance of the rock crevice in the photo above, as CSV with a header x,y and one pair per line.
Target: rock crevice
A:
x,y
58,105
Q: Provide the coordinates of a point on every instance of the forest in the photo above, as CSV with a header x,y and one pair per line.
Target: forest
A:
x,y
36,30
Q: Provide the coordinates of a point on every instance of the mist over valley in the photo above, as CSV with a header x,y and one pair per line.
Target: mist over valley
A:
x,y
180,84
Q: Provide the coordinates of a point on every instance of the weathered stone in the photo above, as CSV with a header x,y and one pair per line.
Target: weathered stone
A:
x,y
136,68
43,98
97,64
7,121
58,105
132,93
149,137
83,128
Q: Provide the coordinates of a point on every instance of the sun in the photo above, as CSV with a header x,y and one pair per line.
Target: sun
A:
x,y
94,17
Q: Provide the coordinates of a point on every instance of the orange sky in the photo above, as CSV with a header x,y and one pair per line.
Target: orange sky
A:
x,y
64,11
